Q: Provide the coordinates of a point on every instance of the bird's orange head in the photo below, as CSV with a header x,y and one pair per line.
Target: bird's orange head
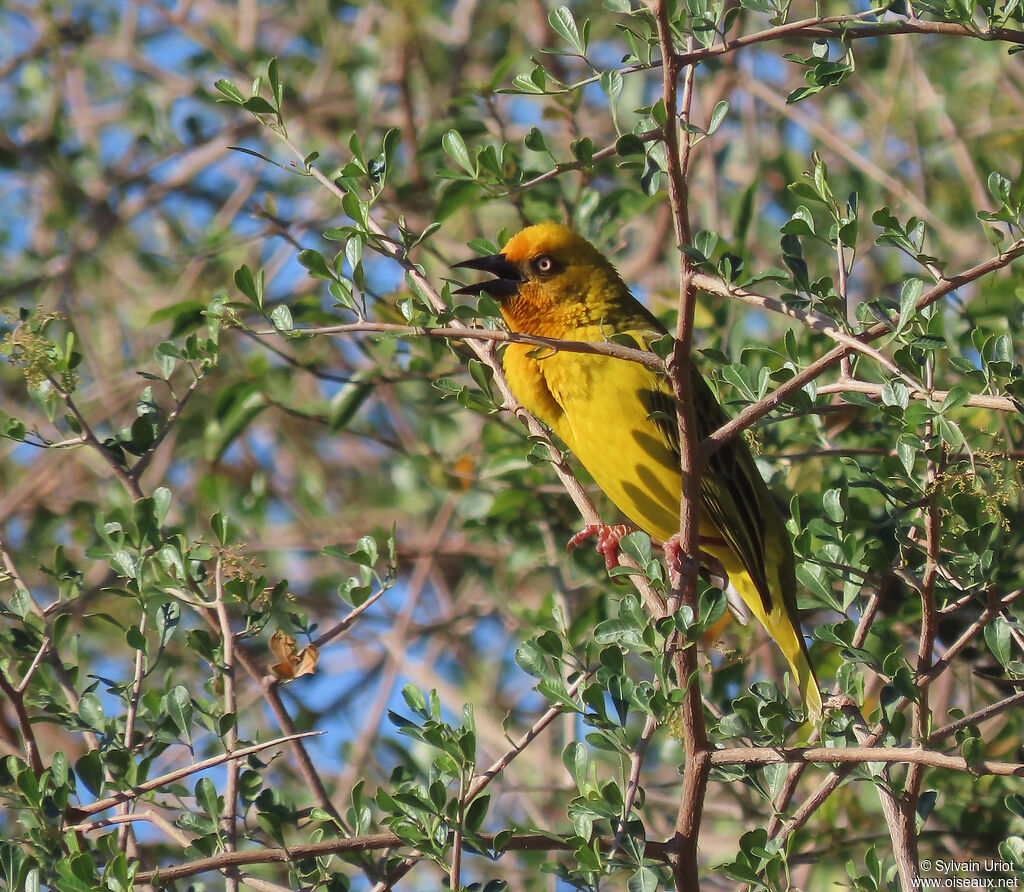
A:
x,y
550,280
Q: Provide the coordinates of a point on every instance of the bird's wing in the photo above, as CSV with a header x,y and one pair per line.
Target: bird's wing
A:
x,y
732,490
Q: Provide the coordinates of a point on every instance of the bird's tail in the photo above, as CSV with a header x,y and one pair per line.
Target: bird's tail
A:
x,y
785,631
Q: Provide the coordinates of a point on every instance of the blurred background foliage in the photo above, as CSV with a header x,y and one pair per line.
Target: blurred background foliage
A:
x,y
182,455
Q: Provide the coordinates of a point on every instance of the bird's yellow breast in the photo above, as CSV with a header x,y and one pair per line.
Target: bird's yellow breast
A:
x,y
597,406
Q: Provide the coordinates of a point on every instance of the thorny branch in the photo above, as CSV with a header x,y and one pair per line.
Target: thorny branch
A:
x,y
691,463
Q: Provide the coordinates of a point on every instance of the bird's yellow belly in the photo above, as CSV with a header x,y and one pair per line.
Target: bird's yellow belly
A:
x,y
607,427
595,405
633,469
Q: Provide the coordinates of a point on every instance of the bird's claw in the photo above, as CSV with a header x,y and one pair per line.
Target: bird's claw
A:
x,y
710,566
608,538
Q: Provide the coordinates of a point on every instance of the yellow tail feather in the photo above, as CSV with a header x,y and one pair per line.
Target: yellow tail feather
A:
x,y
784,630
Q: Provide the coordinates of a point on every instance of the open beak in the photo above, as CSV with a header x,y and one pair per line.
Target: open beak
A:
x,y
506,282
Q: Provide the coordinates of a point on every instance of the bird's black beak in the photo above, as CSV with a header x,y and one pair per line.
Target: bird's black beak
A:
x,y
505,284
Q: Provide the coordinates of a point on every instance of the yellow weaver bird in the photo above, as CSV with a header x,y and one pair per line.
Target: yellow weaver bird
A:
x,y
619,419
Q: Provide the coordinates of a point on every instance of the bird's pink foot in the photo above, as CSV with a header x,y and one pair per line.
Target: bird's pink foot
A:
x,y
607,540
708,562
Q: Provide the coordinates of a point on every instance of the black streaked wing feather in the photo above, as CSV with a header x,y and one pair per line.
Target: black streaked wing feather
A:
x,y
732,490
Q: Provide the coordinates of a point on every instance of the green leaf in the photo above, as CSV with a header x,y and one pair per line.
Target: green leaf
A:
x,y
576,762
906,451
229,90
815,579
895,393
135,639
999,187
997,637
910,294
957,397
221,527
643,880
718,114
562,21
90,711
207,798
476,812
89,770
281,317
250,286
167,356
801,223
125,564
275,83
455,146
832,502
1011,850
629,144
1015,804
315,263
21,602
179,708
611,84
59,768
346,403
950,433
161,503
531,660
258,105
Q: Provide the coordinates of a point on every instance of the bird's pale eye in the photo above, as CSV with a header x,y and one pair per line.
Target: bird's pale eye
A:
x,y
544,264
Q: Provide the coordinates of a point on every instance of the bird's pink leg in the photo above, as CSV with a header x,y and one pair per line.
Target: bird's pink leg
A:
x,y
709,563
607,540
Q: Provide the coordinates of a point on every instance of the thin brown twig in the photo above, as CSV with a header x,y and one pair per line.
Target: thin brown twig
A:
x,y
229,820
178,773
147,815
519,842
139,468
979,400
262,885
124,831
830,27
44,648
858,755
832,782
344,624
464,332
119,470
977,717
714,285
921,710
28,737
59,669
636,762
754,412
309,772
565,167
